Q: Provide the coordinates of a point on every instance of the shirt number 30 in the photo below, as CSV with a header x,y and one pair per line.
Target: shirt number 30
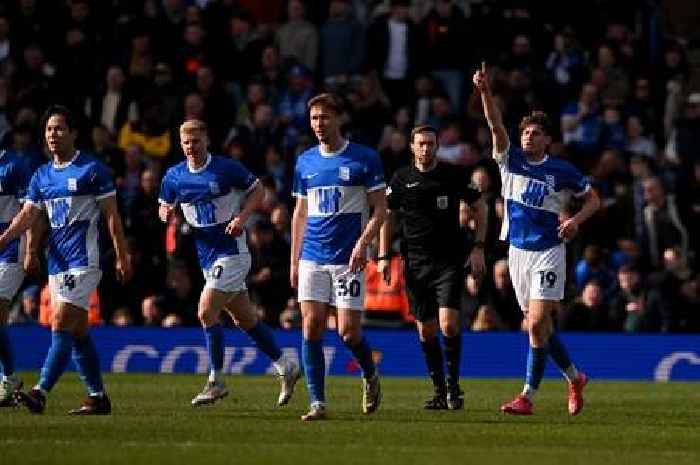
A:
x,y
345,288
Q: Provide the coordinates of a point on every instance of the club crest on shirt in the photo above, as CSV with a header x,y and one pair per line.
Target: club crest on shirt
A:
x,y
344,173
72,184
442,202
214,187
549,180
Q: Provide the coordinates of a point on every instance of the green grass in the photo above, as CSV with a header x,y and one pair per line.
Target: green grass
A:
x,y
153,423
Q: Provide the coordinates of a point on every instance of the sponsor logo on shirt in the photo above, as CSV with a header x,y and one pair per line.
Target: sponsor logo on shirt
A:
x,y
344,173
442,202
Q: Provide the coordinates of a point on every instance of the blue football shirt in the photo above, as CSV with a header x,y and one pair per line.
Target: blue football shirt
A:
x,y
69,193
336,186
14,178
534,195
210,197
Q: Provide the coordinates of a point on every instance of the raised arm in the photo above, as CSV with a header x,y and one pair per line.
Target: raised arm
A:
x,y
110,211
491,111
298,228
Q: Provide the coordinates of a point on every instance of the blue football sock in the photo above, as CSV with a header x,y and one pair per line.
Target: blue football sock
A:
x,y
314,369
558,352
56,360
363,354
265,339
88,364
560,355
7,363
214,336
536,363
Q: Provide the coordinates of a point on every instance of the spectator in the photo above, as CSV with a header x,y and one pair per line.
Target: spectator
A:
x,y
122,318
635,308
269,272
637,142
501,299
26,311
589,312
297,38
112,106
444,29
663,226
342,46
487,319
394,51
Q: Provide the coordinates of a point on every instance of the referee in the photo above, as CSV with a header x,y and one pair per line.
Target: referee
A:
x,y
428,193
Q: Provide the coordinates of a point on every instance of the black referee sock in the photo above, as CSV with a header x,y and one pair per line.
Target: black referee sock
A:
x,y
433,358
453,354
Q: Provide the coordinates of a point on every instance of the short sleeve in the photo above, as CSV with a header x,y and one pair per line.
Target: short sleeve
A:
x,y
374,179
101,183
394,193
240,177
168,190
298,184
22,176
34,195
501,158
573,180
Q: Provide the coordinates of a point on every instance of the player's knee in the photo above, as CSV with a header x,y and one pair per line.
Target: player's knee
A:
x,y
539,328
449,328
350,337
313,327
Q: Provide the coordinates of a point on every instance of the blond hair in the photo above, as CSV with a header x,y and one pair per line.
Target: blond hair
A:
x,y
193,125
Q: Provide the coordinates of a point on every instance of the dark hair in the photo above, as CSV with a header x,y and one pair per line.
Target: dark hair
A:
x,y
539,118
326,100
422,129
59,110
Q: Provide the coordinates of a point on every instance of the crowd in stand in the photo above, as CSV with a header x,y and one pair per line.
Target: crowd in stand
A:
x,y
615,82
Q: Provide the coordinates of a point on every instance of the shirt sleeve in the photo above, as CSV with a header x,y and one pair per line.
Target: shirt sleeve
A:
x,y
168,190
298,184
374,179
573,180
394,194
101,182
502,157
22,178
241,177
34,195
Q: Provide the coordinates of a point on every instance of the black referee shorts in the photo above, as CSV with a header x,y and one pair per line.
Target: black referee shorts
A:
x,y
432,284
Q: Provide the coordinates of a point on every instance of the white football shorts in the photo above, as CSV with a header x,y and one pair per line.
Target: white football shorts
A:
x,y
228,274
74,286
11,277
335,285
537,274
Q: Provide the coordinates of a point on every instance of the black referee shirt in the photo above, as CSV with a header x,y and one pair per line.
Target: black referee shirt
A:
x,y
430,205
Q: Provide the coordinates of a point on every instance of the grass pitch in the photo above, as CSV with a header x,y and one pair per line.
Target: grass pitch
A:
x,y
153,423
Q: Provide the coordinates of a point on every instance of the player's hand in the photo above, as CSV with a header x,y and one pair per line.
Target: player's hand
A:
x,y
32,265
358,258
164,212
235,227
568,229
123,268
477,262
294,275
384,268
480,78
